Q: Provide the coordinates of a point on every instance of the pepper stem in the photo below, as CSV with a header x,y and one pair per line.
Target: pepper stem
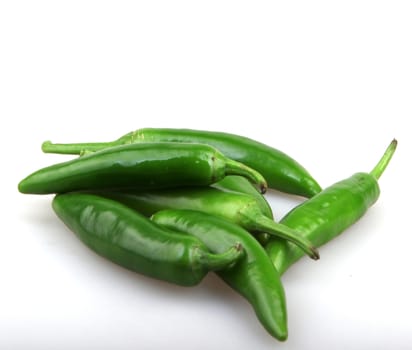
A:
x,y
78,148
384,161
236,168
213,262
263,224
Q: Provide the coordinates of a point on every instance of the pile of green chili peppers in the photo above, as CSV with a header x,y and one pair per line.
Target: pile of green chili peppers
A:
x,y
174,204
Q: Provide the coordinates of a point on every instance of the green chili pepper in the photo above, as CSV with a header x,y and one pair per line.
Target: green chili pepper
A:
x,y
329,213
234,183
239,184
131,240
236,207
281,171
254,276
139,166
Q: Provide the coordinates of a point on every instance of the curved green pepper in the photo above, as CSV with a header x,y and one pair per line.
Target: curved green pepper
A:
x,y
236,207
131,240
281,171
239,184
139,166
329,213
254,276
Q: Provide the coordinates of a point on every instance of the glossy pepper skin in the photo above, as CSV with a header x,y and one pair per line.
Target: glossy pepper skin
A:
x,y
239,208
329,213
254,276
133,241
139,166
239,184
281,171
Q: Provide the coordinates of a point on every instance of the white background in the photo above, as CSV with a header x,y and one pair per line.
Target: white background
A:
x,y
329,83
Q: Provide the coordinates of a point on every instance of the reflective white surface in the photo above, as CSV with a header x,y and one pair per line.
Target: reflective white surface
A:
x,y
329,84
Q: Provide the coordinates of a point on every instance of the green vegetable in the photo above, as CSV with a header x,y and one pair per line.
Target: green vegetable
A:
x,y
254,276
329,213
239,184
236,207
281,171
131,240
139,166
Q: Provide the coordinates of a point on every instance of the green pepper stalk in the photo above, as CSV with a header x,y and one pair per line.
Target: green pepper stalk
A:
x,y
253,276
237,207
329,213
139,166
281,171
131,240
239,184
